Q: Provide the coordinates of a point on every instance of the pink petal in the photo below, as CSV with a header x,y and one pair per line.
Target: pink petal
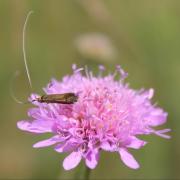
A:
x,y
47,142
92,159
161,133
72,160
106,146
67,147
128,159
136,143
60,147
36,126
157,117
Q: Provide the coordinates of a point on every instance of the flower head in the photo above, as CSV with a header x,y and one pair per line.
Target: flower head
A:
x,y
96,46
108,115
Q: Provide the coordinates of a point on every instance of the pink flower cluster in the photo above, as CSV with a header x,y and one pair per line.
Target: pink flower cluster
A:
x,y
107,116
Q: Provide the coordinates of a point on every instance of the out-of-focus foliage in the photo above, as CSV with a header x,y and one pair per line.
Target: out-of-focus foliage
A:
x,y
146,36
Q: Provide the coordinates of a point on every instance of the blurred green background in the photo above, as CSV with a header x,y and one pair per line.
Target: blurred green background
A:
x,y
146,38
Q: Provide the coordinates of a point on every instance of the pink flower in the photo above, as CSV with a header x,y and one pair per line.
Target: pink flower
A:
x,y
96,46
107,116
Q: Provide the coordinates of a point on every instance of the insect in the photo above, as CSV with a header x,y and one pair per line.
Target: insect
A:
x,y
66,98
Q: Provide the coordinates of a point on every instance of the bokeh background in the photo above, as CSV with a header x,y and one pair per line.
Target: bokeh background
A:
x,y
142,36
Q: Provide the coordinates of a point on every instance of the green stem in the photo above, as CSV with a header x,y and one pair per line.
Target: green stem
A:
x,y
87,173
83,173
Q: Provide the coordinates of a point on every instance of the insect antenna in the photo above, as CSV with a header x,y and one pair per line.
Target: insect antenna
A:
x,y
25,63
12,92
24,50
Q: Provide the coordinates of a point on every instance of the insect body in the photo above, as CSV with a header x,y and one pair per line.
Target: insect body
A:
x,y
66,98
